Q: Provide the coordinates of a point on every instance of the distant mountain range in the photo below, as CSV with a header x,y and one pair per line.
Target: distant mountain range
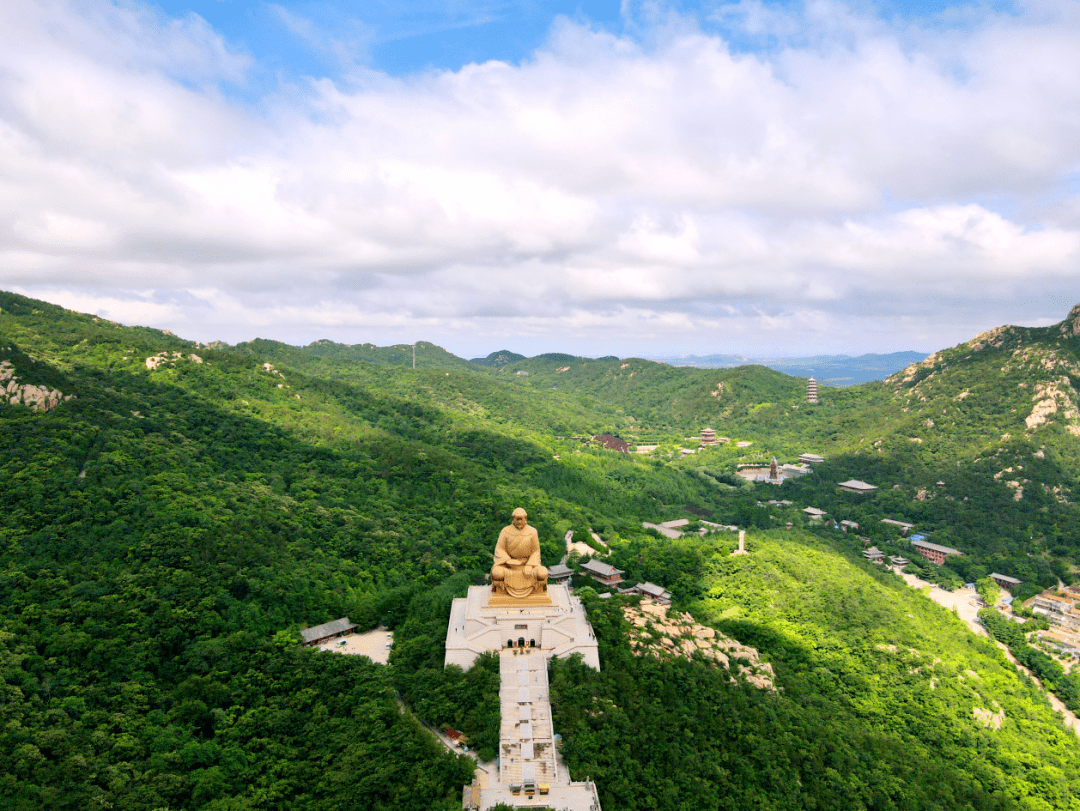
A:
x,y
830,370
837,371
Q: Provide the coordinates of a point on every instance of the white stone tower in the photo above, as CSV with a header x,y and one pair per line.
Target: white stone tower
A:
x,y
811,390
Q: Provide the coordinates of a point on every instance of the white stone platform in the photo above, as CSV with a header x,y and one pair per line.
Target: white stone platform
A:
x,y
527,753
559,629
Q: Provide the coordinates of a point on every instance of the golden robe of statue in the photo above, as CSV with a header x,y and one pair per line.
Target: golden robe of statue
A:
x,y
517,571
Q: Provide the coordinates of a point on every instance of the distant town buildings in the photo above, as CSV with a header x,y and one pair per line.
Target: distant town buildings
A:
x,y
811,390
934,552
603,573
856,486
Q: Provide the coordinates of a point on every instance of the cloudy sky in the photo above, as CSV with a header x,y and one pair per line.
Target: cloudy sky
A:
x,y
764,178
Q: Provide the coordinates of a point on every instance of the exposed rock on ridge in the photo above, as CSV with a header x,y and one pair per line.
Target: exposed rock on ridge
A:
x,y
1071,325
655,633
36,398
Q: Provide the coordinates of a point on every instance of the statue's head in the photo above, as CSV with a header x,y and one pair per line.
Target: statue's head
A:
x,y
519,518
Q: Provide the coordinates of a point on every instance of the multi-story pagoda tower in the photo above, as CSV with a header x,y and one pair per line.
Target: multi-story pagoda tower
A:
x,y
811,390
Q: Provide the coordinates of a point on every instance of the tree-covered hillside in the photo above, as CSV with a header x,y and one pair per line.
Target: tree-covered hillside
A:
x,y
876,704
173,513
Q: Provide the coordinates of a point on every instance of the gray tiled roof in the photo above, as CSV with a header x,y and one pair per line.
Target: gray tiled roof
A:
x,y
653,589
327,629
948,550
856,484
602,569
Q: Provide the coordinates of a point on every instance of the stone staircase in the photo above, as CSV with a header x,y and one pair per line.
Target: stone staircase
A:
x,y
526,718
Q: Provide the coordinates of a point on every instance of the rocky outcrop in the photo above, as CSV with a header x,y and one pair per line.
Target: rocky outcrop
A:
x,y
169,359
1070,327
990,720
991,338
1051,398
653,632
36,398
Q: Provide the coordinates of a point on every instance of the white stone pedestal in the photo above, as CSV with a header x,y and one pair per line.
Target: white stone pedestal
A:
x,y
559,629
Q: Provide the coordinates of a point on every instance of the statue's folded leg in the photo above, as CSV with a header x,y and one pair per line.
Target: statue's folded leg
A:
x,y
498,578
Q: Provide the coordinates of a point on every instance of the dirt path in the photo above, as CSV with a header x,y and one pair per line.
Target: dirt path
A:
x,y
577,546
962,601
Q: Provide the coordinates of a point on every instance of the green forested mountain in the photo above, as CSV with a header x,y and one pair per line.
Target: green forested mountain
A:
x,y
173,513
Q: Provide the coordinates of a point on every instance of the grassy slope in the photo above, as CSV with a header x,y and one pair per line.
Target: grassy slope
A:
x,y
877,691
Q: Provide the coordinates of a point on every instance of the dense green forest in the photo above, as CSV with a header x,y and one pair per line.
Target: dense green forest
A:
x,y
875,704
167,530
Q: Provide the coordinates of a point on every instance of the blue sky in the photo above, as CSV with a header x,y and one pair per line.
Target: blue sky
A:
x,y
396,37
640,178
405,37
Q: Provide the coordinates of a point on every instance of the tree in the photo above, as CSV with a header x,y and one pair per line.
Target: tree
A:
x,y
989,591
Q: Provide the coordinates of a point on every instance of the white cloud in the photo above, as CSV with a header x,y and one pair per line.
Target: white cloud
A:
x,y
661,190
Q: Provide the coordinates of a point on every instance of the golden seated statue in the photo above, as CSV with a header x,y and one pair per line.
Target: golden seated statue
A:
x,y
517,575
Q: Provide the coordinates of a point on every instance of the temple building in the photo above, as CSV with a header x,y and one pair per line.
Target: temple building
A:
x,y
874,555
773,474
603,573
653,592
934,552
903,526
811,390
1004,581
328,630
708,436
856,486
560,573
1058,608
